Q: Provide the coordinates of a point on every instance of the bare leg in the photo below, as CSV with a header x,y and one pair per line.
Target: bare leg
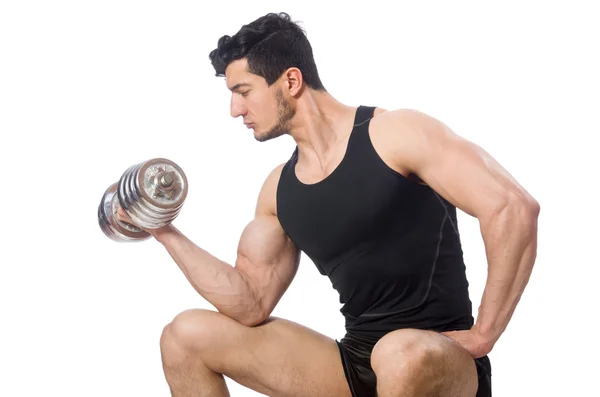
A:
x,y
277,358
186,373
410,363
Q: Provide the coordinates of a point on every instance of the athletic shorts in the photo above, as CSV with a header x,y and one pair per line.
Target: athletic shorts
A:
x,y
356,360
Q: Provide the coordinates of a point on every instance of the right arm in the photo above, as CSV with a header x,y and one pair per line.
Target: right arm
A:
x,y
267,261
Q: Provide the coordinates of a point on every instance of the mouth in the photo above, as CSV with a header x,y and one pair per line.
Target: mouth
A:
x,y
249,125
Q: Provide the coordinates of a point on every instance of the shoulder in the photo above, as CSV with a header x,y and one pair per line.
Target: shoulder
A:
x,y
405,121
403,137
403,124
267,203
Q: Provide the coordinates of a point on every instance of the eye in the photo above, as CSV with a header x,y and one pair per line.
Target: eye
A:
x,y
244,93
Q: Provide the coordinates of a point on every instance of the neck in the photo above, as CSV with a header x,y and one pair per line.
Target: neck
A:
x,y
320,123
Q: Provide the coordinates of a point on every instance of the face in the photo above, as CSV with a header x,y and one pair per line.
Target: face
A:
x,y
264,109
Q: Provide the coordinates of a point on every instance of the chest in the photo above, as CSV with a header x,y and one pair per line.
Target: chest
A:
x,y
329,219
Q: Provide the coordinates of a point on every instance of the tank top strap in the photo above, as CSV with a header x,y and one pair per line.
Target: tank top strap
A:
x,y
359,143
359,131
363,114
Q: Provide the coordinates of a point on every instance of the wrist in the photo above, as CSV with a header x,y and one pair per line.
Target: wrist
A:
x,y
486,336
163,233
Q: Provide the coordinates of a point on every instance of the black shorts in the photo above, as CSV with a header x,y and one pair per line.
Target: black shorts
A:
x,y
356,360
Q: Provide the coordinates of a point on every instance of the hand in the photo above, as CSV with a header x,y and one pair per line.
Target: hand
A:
x,y
123,217
473,342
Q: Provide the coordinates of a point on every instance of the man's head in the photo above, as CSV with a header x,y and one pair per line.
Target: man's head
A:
x,y
267,64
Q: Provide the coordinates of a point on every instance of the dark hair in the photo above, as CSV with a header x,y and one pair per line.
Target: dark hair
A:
x,y
271,44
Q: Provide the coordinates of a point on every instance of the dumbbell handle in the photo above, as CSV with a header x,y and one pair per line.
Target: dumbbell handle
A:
x,y
152,193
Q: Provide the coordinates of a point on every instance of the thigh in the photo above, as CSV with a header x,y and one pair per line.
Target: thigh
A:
x,y
278,358
425,362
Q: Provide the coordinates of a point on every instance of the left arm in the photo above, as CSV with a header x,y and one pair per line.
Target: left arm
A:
x,y
470,179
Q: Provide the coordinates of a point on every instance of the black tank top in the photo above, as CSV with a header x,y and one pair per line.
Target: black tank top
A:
x,y
390,246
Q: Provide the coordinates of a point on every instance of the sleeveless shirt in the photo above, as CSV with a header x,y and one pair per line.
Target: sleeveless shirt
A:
x,y
390,246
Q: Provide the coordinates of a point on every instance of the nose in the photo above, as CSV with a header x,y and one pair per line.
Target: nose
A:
x,y
237,108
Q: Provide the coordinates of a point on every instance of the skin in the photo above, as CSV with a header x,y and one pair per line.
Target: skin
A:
x,y
276,357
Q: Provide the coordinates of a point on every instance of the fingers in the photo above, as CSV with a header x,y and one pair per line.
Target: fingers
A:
x,y
122,215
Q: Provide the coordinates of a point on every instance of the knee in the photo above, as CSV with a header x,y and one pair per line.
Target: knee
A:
x,y
190,331
406,353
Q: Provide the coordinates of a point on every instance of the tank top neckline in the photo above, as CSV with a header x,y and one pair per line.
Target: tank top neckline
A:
x,y
355,126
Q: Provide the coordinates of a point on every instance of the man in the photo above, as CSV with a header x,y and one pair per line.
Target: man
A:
x,y
370,196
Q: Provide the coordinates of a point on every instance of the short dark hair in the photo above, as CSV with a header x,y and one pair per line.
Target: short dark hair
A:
x,y
272,44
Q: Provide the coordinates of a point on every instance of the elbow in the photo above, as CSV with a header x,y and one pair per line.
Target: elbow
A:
x,y
515,208
253,319
527,212
254,314
527,207
534,207
244,316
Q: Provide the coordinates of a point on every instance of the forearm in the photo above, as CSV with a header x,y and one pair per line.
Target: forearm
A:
x,y
215,280
510,237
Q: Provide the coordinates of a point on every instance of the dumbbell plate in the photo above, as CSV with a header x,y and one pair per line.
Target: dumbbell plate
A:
x,y
110,225
171,199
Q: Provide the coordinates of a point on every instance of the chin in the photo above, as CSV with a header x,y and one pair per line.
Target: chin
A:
x,y
262,137
258,134
267,135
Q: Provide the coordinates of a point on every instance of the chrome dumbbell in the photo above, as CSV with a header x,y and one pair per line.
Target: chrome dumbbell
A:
x,y
152,193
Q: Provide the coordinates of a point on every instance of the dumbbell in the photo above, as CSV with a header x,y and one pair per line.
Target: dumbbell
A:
x,y
152,193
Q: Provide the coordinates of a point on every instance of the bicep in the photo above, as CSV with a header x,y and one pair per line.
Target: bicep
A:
x,y
268,261
267,258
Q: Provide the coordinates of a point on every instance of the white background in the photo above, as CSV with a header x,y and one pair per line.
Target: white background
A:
x,y
89,88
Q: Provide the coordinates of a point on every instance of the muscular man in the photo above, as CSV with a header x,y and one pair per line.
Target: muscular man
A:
x,y
370,196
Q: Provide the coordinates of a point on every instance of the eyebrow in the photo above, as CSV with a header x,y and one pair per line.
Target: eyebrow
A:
x,y
238,86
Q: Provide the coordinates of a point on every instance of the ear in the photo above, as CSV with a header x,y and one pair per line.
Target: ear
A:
x,y
293,81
